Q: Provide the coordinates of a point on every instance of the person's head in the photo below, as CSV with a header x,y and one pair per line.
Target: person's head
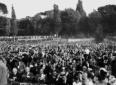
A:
x,y
90,75
84,68
54,73
63,69
20,63
79,75
74,61
14,70
31,52
102,74
113,57
73,69
41,71
36,64
27,69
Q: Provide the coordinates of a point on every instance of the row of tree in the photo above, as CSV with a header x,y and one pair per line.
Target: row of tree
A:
x,y
68,22
65,23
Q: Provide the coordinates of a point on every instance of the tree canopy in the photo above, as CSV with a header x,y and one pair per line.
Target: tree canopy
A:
x,y
3,8
68,22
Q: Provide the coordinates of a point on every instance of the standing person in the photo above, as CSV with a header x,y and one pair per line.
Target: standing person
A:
x,y
3,72
113,65
102,77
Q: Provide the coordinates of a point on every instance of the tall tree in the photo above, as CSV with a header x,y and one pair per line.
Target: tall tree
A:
x,y
3,8
26,27
36,23
8,27
99,37
108,13
14,29
95,19
70,19
84,27
3,24
80,9
4,20
57,20
13,13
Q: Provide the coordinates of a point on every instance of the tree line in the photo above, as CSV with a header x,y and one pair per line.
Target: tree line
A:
x,y
69,22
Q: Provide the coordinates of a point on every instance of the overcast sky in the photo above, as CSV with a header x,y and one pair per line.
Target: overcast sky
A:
x,y
25,8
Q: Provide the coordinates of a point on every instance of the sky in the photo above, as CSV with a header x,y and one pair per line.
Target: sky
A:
x,y
25,8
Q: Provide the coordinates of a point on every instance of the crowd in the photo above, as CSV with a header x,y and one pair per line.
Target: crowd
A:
x,y
62,64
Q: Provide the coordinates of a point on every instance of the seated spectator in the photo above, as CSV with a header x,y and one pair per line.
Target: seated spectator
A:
x,y
90,78
112,80
21,67
42,77
35,69
27,76
78,79
62,77
15,76
102,77
3,72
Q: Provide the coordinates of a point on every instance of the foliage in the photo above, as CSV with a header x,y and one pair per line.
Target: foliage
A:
x,y
80,9
94,20
47,27
3,22
70,19
57,19
84,26
3,8
13,28
99,37
68,22
26,27
108,13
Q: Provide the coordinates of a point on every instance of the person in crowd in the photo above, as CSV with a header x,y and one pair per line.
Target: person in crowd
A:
x,y
15,76
102,77
3,72
42,77
78,79
90,77
59,64
27,76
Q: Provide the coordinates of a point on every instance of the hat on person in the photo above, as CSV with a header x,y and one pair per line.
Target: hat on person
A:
x,y
103,72
103,69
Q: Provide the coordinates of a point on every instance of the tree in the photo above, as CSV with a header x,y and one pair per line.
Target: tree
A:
x,y
36,20
25,27
3,24
80,9
13,29
3,8
47,26
57,20
84,27
8,27
3,20
99,37
95,19
108,13
70,19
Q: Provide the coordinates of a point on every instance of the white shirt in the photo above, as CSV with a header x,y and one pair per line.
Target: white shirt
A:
x,y
90,83
75,83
